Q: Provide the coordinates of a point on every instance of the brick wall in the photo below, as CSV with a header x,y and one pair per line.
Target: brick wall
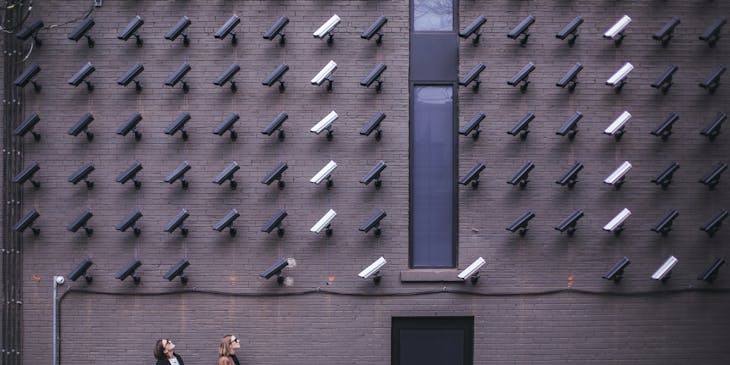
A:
x,y
224,293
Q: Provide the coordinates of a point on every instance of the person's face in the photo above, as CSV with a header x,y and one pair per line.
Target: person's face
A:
x,y
168,345
235,342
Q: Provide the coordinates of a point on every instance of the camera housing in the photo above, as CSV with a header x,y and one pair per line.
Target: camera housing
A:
x,y
374,75
27,126
178,270
275,76
81,30
83,174
132,29
129,270
571,177
522,126
712,80
712,130
27,76
665,177
81,221
570,79
227,29
520,224
27,175
178,222
227,222
473,76
227,76
277,29
276,175
472,271
570,30
473,126
130,221
179,76
521,178
178,124
522,76
131,125
569,223
373,222
81,76
664,130
31,30
276,222
473,175
522,30
131,174
27,222
179,174
373,125
474,28
227,174
375,28
179,29
81,270
374,175
227,125
131,75
276,124
616,272
666,32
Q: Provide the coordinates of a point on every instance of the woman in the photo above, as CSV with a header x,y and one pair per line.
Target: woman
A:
x,y
165,355
227,350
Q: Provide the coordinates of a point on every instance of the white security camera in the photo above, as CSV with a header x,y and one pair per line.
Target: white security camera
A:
x,y
473,270
665,271
325,124
616,128
617,176
618,79
324,222
327,28
324,174
616,224
373,268
616,32
59,279
325,73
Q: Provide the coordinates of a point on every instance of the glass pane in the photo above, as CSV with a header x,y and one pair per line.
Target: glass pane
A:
x,y
433,15
432,184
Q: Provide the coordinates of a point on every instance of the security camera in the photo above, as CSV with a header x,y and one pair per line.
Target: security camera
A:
x,y
131,174
27,222
179,174
374,175
373,222
227,28
664,226
570,79
473,76
327,28
27,126
473,175
522,76
227,125
568,224
712,177
522,30
571,177
131,75
570,127
179,29
616,128
618,79
275,76
129,270
80,270
178,222
473,126
130,221
324,223
373,76
666,32
522,176
710,274
277,29
59,279
714,224
276,175
178,270
522,126
81,30
178,125
616,272
131,125
325,124
227,76
664,81
227,174
31,30
618,176
81,76
325,74
373,268
474,29
373,125
665,271
82,174
276,222
472,271
276,269
325,174
616,224
80,222
712,80
520,224
374,29
82,125
570,29
664,130
665,177
711,131
616,32
178,76
712,33
227,222
276,124
27,77
27,175
131,30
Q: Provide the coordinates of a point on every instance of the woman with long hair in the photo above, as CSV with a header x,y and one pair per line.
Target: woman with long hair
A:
x,y
227,350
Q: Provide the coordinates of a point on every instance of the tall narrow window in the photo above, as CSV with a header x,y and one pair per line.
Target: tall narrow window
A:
x,y
432,177
433,15
432,341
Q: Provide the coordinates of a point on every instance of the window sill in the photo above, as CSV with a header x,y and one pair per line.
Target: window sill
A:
x,y
429,275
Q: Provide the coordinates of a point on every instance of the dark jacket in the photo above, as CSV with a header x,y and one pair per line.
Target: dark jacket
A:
x,y
166,362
